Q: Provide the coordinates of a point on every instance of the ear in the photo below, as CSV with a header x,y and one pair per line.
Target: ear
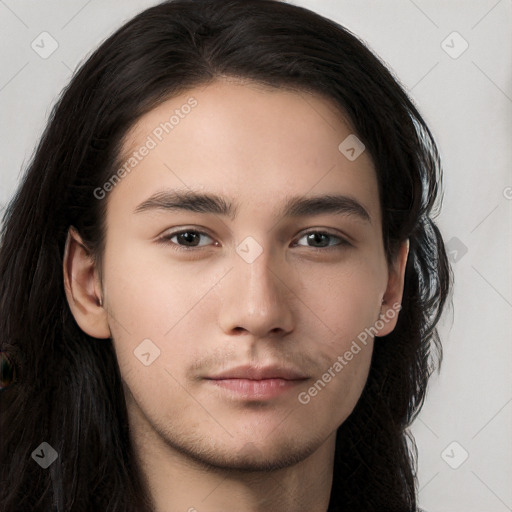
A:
x,y
83,287
392,299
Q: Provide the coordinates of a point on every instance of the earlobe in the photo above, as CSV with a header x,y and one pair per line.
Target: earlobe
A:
x,y
83,287
392,300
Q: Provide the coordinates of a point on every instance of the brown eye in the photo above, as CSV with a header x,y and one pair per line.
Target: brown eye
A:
x,y
322,240
185,239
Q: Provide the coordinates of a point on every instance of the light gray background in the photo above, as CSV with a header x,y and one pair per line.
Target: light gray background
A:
x,y
468,103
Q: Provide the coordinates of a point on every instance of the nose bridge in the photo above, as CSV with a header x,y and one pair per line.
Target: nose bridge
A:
x,y
258,302
256,265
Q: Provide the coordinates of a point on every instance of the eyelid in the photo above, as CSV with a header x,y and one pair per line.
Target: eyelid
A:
x,y
325,231
167,235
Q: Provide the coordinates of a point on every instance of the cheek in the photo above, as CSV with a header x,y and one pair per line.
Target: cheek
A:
x,y
346,299
153,323
158,307
346,302
335,390
343,349
150,293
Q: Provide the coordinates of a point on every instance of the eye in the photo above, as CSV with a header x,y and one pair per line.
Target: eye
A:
x,y
184,239
189,239
323,239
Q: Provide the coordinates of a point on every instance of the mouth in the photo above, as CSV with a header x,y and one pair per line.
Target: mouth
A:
x,y
258,383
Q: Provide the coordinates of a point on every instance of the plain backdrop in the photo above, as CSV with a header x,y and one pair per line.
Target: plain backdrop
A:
x,y
454,58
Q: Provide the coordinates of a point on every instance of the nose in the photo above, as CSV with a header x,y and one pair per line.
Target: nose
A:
x,y
256,299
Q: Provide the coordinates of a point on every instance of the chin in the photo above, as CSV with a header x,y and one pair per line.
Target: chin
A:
x,y
254,458
235,454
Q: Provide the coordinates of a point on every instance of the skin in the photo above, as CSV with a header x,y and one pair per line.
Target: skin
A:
x,y
200,446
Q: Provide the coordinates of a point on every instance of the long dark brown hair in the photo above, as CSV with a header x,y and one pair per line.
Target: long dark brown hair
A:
x,y
66,386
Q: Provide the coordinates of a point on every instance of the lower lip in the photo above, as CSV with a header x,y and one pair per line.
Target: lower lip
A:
x,y
257,389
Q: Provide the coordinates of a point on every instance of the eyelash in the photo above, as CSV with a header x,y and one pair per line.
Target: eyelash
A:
x,y
166,239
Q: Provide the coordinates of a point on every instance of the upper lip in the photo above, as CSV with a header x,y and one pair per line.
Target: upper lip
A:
x,y
260,373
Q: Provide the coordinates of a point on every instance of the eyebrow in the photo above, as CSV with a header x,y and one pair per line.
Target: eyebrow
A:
x,y
297,206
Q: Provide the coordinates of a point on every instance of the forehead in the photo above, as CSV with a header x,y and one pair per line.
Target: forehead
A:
x,y
245,141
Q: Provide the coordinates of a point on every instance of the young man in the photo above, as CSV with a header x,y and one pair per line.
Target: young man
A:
x,y
228,305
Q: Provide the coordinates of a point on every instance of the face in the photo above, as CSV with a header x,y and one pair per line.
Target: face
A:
x,y
243,320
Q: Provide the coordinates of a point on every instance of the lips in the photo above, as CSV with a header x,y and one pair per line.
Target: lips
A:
x,y
258,382
260,373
